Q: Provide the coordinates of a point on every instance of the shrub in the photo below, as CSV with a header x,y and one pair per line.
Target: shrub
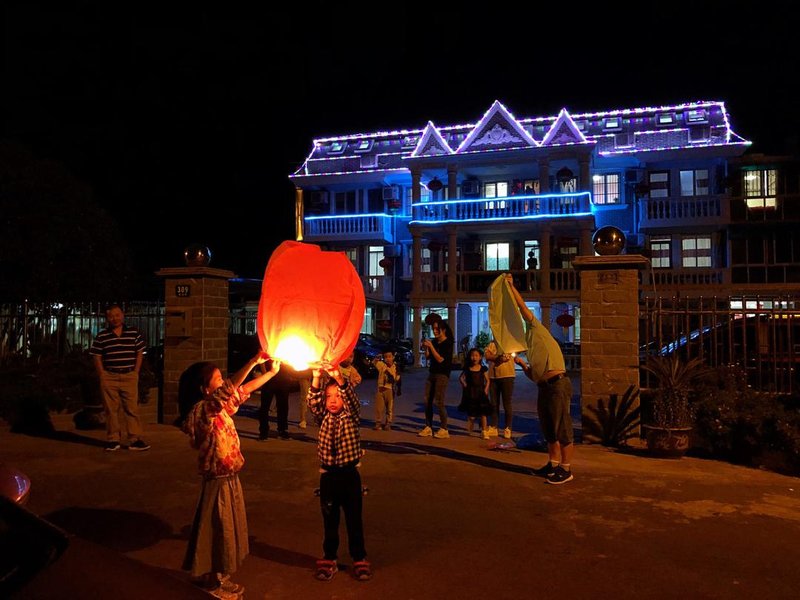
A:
x,y
616,424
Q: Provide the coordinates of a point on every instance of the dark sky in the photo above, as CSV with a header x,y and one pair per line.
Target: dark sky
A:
x,y
164,112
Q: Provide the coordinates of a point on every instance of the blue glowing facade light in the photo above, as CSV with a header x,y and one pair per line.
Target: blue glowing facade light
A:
x,y
502,219
334,217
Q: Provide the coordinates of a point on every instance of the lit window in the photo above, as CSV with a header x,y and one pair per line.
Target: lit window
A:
x,y
659,184
336,148
698,115
696,251
665,119
497,256
605,188
660,250
760,188
694,183
612,123
581,125
496,189
410,141
363,146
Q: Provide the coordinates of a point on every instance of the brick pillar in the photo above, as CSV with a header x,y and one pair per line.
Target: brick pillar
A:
x,y
197,321
609,325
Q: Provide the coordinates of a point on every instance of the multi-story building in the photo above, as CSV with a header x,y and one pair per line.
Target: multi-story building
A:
x,y
431,216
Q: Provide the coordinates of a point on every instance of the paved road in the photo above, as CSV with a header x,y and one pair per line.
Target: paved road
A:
x,y
443,518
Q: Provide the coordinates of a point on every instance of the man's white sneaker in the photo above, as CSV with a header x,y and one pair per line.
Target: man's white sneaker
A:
x,y
442,434
426,432
492,431
507,433
484,435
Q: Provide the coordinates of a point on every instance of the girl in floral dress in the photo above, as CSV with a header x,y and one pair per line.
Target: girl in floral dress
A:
x,y
218,542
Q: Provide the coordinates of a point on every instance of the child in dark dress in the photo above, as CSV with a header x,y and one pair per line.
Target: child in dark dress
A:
x,y
475,393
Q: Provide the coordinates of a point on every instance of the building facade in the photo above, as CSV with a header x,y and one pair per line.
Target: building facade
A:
x,y
430,216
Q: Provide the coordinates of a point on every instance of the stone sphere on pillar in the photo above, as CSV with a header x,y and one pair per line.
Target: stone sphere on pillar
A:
x,y
608,241
197,255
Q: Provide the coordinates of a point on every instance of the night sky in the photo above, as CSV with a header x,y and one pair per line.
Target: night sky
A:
x,y
164,112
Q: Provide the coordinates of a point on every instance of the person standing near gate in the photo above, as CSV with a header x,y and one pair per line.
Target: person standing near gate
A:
x,y
117,352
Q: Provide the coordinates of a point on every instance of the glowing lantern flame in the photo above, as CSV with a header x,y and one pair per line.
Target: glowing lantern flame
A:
x,y
296,351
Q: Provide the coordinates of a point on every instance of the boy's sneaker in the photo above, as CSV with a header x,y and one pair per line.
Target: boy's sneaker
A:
x,y
545,471
559,476
442,434
492,431
112,446
425,432
507,433
484,435
139,446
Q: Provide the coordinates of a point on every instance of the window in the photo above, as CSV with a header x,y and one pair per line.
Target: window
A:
x,y
532,254
698,115
665,119
660,251
760,188
612,124
531,186
659,184
352,256
336,148
424,196
367,324
696,251
623,140
694,183
369,161
605,189
410,141
496,189
363,146
345,203
374,269
497,256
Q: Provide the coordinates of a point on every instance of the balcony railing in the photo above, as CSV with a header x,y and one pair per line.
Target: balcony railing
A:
x,y
478,282
685,278
505,208
375,227
683,210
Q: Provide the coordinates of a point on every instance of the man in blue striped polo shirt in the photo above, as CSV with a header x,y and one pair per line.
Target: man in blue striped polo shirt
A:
x,y
117,352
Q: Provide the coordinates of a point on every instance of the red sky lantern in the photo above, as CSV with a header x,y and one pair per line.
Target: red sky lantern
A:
x,y
311,307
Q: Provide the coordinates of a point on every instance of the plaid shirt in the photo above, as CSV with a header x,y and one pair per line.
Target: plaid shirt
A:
x,y
213,433
339,441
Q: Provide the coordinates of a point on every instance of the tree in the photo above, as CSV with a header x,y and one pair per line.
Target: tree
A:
x,y
56,243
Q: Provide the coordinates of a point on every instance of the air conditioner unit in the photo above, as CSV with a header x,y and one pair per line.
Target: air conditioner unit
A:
x,y
470,187
391,192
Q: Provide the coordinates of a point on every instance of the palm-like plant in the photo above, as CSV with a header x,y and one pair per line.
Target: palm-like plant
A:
x,y
615,424
671,406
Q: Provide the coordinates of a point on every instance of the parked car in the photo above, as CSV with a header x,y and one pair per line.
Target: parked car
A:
x,y
403,354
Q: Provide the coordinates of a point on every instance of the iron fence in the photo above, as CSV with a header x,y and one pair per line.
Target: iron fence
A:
x,y
760,335
34,330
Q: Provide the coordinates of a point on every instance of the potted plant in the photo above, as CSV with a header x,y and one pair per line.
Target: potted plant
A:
x,y
671,418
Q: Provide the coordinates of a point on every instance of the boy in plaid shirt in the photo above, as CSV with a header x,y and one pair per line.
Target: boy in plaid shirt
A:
x,y
336,407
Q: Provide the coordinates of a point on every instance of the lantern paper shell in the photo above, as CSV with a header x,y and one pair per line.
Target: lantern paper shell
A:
x,y
311,299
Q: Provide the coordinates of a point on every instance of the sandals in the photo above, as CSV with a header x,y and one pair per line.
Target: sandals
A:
x,y
362,570
326,569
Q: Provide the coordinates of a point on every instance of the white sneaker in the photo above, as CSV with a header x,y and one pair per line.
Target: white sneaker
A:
x,y
442,434
484,435
507,433
426,432
491,431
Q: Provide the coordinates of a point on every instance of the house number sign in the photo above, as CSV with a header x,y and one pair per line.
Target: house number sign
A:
x,y
183,291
